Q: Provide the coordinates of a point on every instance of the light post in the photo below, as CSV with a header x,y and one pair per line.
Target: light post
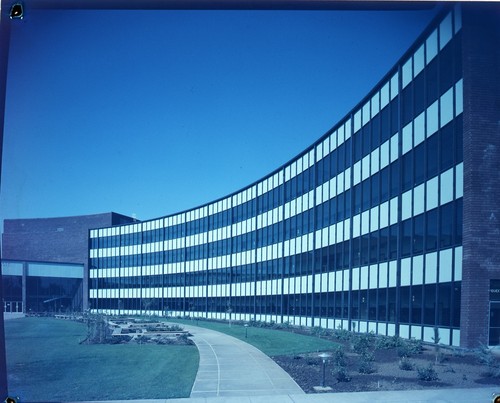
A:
x,y
324,357
246,330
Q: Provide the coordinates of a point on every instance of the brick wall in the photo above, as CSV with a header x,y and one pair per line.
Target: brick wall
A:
x,y
55,240
481,220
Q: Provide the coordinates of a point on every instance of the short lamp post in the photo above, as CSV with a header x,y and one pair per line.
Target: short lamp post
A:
x,y
246,330
324,357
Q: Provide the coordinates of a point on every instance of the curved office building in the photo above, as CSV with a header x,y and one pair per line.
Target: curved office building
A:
x,y
374,227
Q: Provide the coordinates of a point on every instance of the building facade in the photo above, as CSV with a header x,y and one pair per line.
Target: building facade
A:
x,y
388,223
45,262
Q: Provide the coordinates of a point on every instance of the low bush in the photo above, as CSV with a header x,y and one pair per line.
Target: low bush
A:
x,y
362,343
405,364
339,358
484,356
342,374
427,373
366,365
409,348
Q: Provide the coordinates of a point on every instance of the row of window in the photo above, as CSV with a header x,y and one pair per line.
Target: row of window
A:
x,y
430,304
440,228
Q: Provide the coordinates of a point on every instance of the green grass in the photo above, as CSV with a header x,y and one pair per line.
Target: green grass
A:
x,y
45,362
270,341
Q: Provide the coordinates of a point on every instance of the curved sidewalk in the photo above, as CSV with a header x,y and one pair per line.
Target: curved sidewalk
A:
x,y
230,367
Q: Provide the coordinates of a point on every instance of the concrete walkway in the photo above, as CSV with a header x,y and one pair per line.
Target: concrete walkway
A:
x,y
232,371
479,395
230,367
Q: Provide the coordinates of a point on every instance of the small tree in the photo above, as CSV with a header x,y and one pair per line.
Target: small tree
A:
x,y
97,329
436,340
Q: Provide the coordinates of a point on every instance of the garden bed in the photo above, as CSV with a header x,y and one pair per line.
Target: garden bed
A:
x,y
381,366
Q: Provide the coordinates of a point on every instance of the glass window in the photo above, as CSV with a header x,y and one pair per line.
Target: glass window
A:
x,y
375,124
404,307
382,304
432,151
446,69
416,304
407,72
366,194
431,230
347,197
384,242
394,116
407,171
429,304
418,154
446,227
341,212
393,241
385,129
366,136
418,234
406,243
444,305
375,182
446,105
419,96
446,146
357,199
384,184
357,145
445,31
341,158
431,80
431,46
374,247
407,104
395,178
391,304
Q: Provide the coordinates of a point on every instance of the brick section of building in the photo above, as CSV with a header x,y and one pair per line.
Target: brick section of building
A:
x,y
55,240
481,220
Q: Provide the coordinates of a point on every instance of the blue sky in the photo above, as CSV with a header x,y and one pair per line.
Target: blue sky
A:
x,y
152,113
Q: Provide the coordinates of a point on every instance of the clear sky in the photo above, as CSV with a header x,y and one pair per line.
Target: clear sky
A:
x,y
152,113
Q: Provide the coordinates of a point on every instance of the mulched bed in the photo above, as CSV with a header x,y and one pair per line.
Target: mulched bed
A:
x,y
455,369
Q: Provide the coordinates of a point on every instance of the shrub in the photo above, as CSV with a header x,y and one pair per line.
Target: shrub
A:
x,y
342,334
387,342
319,331
409,348
485,357
405,364
362,343
366,365
339,358
342,375
427,373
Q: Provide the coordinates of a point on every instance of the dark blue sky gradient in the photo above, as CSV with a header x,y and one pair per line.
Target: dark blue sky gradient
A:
x,y
151,113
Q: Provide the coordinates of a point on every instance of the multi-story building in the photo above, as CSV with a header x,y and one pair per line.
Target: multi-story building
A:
x,y
389,223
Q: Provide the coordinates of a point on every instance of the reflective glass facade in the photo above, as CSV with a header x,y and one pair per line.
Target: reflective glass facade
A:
x,y
42,287
363,230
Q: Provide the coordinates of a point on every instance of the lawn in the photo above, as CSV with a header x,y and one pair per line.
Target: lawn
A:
x,y
45,362
271,342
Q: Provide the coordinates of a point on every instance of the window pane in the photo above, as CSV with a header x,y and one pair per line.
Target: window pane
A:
x,y
429,304
432,156
446,146
418,234
446,228
431,230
